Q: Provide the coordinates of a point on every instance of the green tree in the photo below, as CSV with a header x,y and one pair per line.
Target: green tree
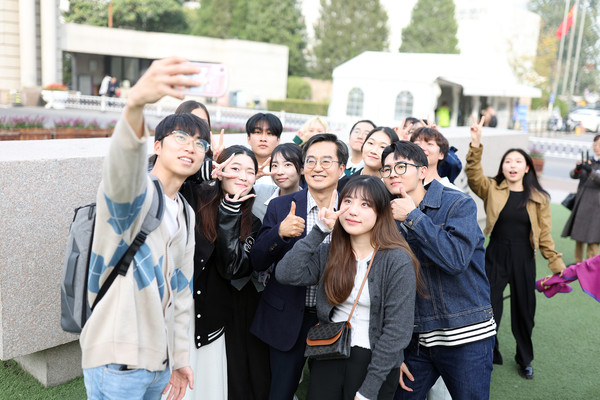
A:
x,y
143,15
345,29
432,28
269,21
87,12
552,14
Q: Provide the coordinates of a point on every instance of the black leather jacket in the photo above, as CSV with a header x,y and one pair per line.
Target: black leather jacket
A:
x,y
215,265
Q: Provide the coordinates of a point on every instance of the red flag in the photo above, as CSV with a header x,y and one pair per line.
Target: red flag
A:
x,y
566,24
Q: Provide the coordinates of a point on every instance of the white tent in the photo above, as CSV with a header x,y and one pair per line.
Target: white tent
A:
x,y
387,87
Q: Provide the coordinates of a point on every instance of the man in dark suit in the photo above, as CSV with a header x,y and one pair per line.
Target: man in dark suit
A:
x,y
285,313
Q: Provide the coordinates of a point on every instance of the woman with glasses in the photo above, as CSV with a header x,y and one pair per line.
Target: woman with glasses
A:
x,y
376,140
225,232
364,240
519,220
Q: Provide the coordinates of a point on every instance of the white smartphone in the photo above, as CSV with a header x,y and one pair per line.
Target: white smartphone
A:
x,y
213,79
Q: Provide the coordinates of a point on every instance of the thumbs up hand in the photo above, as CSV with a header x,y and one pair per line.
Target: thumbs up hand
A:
x,y
292,225
402,206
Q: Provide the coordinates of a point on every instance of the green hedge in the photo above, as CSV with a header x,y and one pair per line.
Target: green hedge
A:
x,y
298,106
298,88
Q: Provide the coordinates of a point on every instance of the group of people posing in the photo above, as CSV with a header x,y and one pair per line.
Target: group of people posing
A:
x,y
282,238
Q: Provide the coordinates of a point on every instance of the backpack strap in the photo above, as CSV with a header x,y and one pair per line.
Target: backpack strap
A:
x,y
151,222
187,216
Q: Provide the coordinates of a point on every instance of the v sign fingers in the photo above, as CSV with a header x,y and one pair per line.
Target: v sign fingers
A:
x,y
476,132
217,168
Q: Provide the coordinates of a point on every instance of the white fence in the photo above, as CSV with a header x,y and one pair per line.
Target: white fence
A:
x,y
569,149
219,114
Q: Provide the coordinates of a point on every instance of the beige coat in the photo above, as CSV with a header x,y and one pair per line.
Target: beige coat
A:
x,y
494,198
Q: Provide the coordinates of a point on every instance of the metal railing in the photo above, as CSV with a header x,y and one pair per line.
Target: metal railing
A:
x,y
219,114
569,149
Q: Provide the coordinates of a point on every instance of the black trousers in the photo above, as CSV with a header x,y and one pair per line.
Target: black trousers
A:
x,y
513,264
341,379
248,372
287,366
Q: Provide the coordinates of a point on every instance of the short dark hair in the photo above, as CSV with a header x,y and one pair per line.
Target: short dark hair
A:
x,y
290,152
429,134
274,123
189,123
596,138
341,152
407,150
368,121
190,105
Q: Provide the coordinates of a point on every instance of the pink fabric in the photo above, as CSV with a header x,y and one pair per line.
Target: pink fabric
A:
x,y
588,273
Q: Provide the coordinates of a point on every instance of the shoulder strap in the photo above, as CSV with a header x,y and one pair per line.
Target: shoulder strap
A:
x,y
151,222
187,216
362,285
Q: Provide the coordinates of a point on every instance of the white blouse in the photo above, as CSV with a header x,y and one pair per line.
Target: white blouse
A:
x,y
361,316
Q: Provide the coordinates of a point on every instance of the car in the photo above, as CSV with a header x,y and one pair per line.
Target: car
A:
x,y
588,117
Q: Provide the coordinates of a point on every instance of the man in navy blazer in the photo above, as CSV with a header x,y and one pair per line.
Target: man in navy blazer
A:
x,y
286,313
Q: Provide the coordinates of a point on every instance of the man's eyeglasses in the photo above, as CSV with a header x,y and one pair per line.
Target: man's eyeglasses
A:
x,y
399,168
184,138
311,162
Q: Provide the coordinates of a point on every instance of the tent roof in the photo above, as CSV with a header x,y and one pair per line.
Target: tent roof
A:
x,y
478,76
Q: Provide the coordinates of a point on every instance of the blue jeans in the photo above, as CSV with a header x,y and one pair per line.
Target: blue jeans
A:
x,y
111,382
466,369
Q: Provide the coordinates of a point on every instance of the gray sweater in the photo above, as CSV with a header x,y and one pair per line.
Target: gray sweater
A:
x,y
392,291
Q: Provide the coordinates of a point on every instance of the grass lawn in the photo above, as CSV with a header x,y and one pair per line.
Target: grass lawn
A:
x,y
566,343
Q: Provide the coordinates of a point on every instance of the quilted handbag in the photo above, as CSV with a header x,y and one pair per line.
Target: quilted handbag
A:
x,y
333,340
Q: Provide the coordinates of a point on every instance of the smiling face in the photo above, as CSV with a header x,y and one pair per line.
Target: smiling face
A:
x,y
243,167
180,160
411,181
286,176
358,134
361,216
319,178
514,167
262,140
373,147
432,150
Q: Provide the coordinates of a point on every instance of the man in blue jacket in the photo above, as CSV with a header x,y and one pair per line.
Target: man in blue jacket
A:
x,y
454,326
286,313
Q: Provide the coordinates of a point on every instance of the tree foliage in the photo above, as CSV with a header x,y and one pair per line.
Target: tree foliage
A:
x,y
552,14
432,28
269,21
143,15
345,29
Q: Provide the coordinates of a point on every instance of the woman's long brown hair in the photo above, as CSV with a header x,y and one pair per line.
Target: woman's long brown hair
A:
x,y
210,195
341,266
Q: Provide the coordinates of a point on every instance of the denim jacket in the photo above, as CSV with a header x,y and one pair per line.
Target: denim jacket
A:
x,y
444,235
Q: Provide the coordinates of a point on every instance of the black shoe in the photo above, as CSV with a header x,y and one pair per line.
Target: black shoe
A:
x,y
497,359
526,371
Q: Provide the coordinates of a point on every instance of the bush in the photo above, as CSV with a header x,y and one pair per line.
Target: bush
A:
x,y
298,106
542,102
298,88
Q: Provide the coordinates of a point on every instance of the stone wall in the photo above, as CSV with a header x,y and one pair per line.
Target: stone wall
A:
x,y
41,183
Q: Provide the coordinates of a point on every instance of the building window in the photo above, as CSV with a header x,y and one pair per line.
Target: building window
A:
x,y
404,105
355,103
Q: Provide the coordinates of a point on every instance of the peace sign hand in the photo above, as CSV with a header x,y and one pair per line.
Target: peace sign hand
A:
x,y
218,169
402,131
217,148
328,216
261,169
237,199
476,130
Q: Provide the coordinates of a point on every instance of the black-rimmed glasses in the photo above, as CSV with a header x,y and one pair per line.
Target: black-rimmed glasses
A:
x,y
399,168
